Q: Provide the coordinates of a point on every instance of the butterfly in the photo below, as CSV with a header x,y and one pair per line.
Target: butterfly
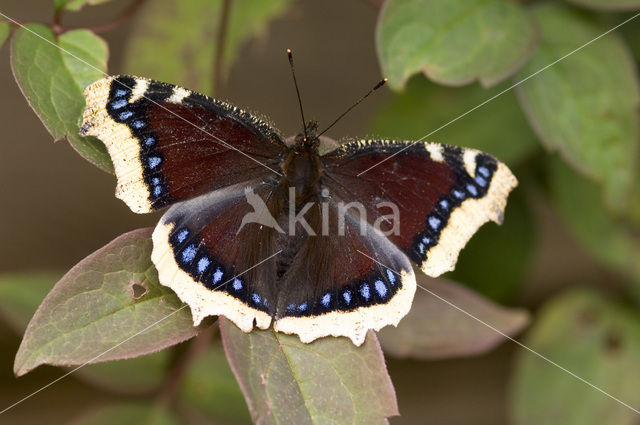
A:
x,y
288,233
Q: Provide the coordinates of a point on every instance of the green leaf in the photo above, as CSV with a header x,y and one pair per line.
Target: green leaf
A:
x,y
52,80
176,41
510,248
128,414
453,41
111,304
5,31
286,381
75,5
211,388
608,4
593,338
20,295
584,106
606,238
434,329
499,127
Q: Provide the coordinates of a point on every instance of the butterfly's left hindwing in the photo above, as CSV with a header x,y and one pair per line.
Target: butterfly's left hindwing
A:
x,y
169,144
214,263
443,193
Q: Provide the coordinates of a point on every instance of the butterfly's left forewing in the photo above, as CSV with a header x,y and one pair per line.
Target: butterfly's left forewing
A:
x,y
442,194
169,144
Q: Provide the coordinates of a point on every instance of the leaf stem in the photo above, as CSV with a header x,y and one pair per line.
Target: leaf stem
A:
x,y
221,40
118,20
59,29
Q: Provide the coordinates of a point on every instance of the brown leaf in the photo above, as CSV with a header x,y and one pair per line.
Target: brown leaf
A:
x,y
434,329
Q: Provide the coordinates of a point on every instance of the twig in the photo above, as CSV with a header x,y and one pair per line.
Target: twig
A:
x,y
57,27
117,21
17,23
218,65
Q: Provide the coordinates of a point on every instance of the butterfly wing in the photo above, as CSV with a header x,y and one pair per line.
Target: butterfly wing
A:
x,y
216,263
231,252
343,282
443,194
169,144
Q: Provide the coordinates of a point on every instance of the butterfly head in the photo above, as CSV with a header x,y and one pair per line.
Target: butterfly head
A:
x,y
308,139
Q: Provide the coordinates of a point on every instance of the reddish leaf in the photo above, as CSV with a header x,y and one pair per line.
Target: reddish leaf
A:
x,y
434,329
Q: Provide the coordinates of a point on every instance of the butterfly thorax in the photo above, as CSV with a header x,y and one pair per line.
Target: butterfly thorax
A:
x,y
302,168
302,171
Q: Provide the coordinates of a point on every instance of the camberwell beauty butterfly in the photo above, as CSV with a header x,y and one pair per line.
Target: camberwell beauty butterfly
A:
x,y
292,231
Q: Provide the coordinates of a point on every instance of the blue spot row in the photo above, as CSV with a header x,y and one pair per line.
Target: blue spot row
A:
x,y
391,276
182,235
347,296
458,194
237,284
434,222
189,253
134,116
381,288
466,187
154,161
121,92
203,264
217,276
120,103
362,293
203,268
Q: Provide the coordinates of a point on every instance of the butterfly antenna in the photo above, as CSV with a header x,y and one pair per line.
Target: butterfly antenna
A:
x,y
376,87
295,82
